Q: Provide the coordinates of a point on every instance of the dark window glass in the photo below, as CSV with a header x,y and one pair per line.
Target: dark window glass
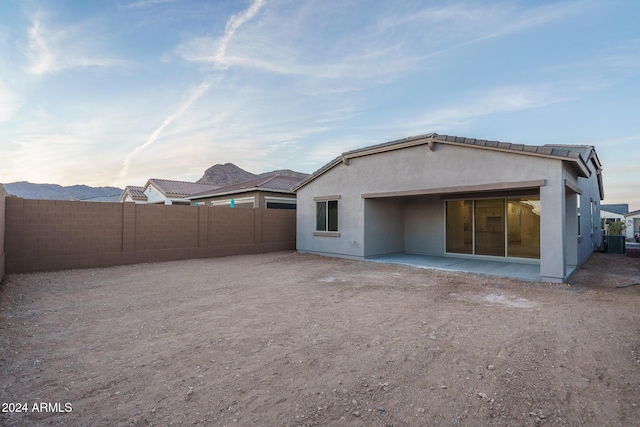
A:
x,y
332,208
276,205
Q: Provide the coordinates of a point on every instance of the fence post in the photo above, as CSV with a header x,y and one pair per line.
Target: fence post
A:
x,y
203,226
257,226
128,227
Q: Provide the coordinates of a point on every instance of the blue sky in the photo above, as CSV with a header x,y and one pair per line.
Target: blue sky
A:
x,y
116,92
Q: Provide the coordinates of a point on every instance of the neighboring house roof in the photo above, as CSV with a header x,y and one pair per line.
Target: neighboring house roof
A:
x,y
274,183
620,208
632,213
178,189
133,191
577,156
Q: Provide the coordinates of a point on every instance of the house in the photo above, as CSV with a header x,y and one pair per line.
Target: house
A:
x,y
620,212
270,192
609,216
133,193
619,208
633,223
163,191
456,197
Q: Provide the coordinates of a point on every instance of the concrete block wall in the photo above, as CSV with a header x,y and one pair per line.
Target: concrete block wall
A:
x,y
44,235
3,196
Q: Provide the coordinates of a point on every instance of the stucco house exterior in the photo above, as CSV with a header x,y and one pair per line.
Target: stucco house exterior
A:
x,y
620,212
269,192
163,191
609,216
456,197
133,193
633,223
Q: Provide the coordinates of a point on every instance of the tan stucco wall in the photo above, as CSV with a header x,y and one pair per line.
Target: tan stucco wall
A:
x,y
419,168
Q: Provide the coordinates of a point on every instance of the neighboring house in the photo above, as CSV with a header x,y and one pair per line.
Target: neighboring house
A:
x,y
456,197
270,192
608,216
620,212
164,191
633,223
132,193
619,208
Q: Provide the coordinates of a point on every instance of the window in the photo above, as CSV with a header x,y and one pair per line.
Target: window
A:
x,y
594,220
327,215
579,224
279,202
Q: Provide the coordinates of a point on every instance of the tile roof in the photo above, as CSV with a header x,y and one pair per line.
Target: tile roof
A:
x,y
179,189
135,192
619,208
577,155
279,183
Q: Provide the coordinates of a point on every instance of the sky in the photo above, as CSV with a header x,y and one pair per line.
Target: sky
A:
x,y
112,93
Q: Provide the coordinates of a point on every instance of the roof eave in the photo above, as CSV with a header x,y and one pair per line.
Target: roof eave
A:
x,y
581,166
578,163
244,190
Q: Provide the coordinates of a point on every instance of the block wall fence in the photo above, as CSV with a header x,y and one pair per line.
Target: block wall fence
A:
x,y
46,235
3,196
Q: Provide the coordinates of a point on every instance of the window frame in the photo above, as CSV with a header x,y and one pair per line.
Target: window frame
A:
x,y
327,201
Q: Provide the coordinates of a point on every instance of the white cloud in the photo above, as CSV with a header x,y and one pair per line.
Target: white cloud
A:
x,y
284,40
500,100
195,95
148,3
41,56
51,50
9,103
232,26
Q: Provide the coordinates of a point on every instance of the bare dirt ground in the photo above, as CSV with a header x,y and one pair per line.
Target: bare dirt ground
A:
x,y
292,339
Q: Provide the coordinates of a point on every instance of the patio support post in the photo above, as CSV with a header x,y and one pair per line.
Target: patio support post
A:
x,y
571,228
552,233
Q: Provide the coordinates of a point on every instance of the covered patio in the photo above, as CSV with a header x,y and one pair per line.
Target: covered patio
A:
x,y
517,270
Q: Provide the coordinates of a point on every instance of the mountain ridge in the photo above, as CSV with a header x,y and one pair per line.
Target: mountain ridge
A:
x,y
78,192
230,174
221,175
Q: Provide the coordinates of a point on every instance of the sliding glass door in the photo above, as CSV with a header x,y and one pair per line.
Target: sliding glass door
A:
x,y
500,227
459,227
490,226
523,222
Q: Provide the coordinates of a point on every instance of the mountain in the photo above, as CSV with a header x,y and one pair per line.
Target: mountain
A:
x,y
28,190
223,175
220,175
230,174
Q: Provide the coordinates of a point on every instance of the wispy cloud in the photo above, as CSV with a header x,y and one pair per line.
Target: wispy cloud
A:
x,y
496,101
379,52
148,3
51,50
531,18
9,103
42,59
233,24
197,93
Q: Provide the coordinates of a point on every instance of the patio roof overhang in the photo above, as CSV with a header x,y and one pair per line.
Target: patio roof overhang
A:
x,y
463,189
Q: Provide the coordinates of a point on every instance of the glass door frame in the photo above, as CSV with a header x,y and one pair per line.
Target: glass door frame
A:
x,y
473,254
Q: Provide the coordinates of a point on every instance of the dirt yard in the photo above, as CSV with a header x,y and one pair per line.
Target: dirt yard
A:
x,y
292,339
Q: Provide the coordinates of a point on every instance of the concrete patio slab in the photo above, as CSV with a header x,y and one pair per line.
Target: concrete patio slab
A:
x,y
517,270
